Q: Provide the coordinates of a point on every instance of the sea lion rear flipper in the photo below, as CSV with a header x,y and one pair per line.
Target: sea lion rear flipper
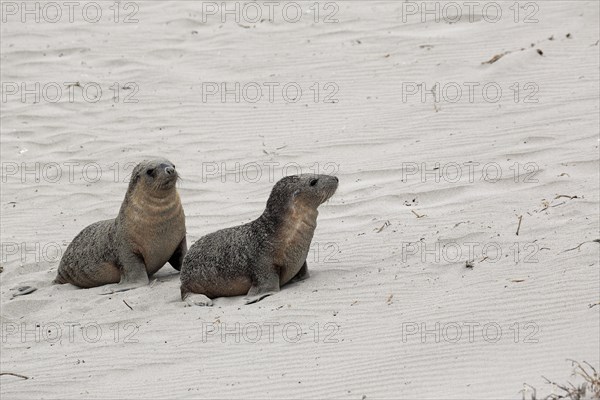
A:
x,y
266,285
195,299
60,279
176,259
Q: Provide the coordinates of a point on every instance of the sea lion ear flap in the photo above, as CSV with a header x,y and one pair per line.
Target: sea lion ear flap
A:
x,y
137,170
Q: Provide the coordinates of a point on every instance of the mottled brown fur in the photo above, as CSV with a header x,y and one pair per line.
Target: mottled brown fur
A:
x,y
148,232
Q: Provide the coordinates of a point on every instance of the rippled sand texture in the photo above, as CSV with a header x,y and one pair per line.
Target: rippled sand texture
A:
x,y
450,172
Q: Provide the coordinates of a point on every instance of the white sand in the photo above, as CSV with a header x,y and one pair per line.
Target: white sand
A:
x,y
373,292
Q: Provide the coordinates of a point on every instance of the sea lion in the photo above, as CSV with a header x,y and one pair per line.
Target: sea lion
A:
x,y
258,257
148,232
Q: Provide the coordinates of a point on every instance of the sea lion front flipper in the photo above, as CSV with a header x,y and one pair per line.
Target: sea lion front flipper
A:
x,y
176,259
133,275
302,274
23,290
266,285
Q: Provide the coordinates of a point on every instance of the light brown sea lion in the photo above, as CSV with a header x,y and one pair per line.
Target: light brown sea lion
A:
x,y
148,232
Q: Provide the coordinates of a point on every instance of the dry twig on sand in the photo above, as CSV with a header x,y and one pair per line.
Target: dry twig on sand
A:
x,y
495,58
567,196
385,224
13,374
589,389
127,305
581,244
418,216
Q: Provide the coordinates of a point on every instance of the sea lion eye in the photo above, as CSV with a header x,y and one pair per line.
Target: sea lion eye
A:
x,y
313,182
150,171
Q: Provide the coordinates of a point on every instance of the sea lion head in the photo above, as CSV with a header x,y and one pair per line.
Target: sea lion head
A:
x,y
154,175
310,190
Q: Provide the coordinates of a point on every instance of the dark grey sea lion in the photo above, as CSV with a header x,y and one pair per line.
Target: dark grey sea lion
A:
x,y
258,257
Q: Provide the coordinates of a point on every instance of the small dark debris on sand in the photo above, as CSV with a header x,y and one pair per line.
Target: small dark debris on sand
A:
x,y
13,374
519,226
417,215
385,225
589,389
495,58
581,244
23,290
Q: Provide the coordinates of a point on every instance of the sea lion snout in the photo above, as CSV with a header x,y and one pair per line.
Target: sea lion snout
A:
x,y
330,180
167,168
309,189
157,174
169,173
325,185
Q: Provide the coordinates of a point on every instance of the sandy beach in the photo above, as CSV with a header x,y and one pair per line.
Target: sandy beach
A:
x,y
458,258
